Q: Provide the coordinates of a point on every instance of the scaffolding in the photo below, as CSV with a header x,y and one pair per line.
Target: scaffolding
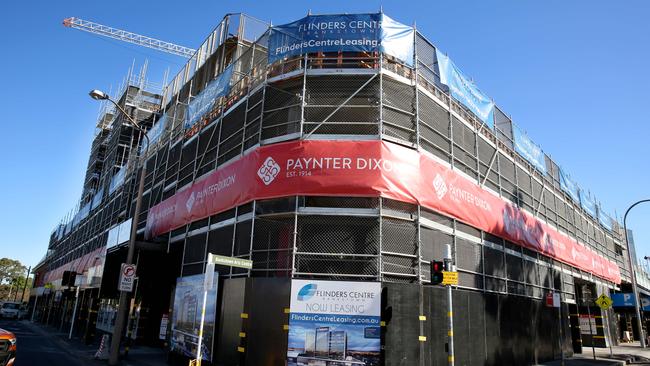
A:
x,y
339,96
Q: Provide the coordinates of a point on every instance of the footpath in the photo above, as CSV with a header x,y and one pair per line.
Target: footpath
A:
x,y
623,354
138,355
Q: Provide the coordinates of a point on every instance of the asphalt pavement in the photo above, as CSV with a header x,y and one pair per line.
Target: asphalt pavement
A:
x,y
40,345
35,348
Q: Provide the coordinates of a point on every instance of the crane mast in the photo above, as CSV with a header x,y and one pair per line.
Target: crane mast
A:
x,y
122,35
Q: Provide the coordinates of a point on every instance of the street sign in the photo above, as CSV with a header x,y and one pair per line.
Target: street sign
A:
x,y
604,302
230,261
449,278
549,299
127,277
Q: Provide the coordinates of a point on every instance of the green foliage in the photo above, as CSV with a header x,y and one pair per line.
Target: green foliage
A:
x,y
12,279
10,270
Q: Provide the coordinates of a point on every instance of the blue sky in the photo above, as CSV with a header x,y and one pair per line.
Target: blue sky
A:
x,y
572,74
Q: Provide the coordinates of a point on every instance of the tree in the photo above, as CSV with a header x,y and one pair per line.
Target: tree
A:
x,y
12,278
11,269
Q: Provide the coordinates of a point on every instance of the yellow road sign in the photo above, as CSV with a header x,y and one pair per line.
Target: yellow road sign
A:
x,y
604,302
449,278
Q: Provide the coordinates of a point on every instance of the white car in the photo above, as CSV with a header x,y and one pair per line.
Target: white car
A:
x,y
10,310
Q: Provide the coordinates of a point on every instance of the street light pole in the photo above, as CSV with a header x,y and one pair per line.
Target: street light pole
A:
x,y
114,355
633,276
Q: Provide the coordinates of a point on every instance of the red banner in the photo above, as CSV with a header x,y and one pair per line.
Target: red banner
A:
x,y
368,169
79,265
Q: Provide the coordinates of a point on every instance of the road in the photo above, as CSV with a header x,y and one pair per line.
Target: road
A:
x,y
37,348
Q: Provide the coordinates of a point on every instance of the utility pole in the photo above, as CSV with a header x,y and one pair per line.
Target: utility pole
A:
x,y
74,312
114,354
450,307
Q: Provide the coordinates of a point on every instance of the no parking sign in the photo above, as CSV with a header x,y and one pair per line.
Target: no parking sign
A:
x,y
127,277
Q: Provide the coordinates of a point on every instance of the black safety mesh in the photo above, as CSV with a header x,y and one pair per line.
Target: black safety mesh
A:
x,y
326,113
273,245
337,245
399,249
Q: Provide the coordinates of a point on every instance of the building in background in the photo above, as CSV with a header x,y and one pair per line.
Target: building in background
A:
x,y
352,154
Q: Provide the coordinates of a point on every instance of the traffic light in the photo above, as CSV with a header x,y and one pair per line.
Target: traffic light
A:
x,y
436,272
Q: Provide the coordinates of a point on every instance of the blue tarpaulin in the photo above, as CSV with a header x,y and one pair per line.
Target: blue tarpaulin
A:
x,y
464,90
342,32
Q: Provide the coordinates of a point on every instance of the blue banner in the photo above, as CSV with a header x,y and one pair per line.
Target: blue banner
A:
x,y
588,203
97,199
605,220
202,103
464,90
528,149
117,180
342,32
84,211
569,186
155,132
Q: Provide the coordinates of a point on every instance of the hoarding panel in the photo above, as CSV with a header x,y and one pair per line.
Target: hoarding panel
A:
x,y
329,322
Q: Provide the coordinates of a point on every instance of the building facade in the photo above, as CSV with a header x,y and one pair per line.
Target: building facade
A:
x,y
318,155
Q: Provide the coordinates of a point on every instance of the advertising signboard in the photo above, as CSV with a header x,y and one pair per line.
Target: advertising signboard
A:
x,y
186,316
342,32
334,321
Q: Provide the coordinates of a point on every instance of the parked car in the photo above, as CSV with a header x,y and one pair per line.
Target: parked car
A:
x,y
23,312
7,348
10,310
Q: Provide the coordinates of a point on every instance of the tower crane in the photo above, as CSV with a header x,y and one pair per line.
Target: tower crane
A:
x,y
122,35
